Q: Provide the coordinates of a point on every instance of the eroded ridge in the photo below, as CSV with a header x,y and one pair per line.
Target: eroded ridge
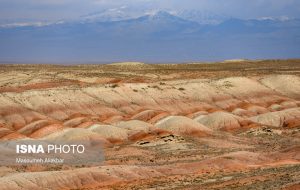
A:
x,y
162,126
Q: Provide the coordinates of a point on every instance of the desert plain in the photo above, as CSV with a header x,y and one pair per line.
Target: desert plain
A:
x,y
227,125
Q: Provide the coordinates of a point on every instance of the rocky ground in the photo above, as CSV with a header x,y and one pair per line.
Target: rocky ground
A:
x,y
232,125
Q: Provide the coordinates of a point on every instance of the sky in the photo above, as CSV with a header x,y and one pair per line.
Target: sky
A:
x,y
53,10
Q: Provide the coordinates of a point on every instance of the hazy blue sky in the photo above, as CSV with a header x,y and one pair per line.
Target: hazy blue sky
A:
x,y
67,9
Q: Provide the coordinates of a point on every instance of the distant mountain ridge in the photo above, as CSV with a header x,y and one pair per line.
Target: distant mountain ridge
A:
x,y
124,13
156,37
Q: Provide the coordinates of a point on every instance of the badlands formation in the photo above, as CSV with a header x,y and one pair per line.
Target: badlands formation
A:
x,y
230,125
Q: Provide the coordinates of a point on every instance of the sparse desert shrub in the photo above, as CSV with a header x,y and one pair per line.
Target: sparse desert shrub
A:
x,y
114,86
156,87
181,89
228,84
228,157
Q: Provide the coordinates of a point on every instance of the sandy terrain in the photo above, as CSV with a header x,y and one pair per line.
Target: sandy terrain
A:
x,y
230,125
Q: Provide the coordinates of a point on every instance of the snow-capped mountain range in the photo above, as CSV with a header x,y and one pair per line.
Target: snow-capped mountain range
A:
x,y
125,13
151,36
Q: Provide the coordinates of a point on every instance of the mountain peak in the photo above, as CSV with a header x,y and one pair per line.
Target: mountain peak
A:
x,y
161,15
